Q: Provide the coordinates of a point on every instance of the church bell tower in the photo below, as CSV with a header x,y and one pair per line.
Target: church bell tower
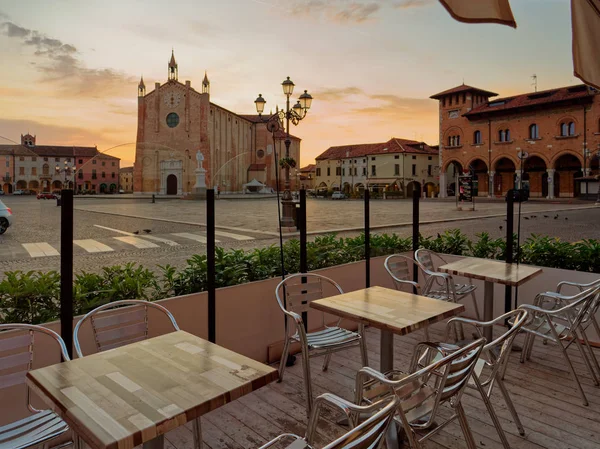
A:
x,y
173,72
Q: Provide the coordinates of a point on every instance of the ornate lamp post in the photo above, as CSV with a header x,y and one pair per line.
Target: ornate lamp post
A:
x,y
274,124
68,169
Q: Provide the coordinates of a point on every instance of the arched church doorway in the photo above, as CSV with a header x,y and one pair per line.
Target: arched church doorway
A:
x,y
171,185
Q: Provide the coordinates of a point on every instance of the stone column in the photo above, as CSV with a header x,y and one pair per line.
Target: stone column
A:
x,y
443,187
491,184
550,172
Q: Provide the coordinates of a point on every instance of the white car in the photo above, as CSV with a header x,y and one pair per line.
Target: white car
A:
x,y
6,217
18,192
338,196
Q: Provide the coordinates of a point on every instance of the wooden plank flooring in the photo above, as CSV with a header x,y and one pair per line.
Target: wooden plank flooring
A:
x,y
542,390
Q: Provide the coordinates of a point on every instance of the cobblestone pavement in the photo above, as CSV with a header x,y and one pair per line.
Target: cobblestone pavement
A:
x,y
173,243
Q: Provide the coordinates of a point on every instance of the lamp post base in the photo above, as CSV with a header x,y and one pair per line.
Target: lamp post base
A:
x,y
287,214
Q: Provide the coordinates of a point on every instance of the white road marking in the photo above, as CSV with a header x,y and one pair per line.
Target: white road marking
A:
x,y
233,236
151,237
114,230
196,237
93,246
137,242
41,249
160,239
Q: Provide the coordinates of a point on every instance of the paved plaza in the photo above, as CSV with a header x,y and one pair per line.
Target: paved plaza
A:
x,y
115,231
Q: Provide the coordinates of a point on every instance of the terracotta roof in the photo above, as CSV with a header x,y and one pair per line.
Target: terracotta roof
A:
x,y
257,167
463,88
126,169
55,151
309,168
577,94
392,146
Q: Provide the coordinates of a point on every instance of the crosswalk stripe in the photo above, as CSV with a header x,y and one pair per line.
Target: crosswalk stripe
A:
x,y
160,239
196,237
41,249
233,236
137,242
93,246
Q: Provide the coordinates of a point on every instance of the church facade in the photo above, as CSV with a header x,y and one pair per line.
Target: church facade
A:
x,y
175,121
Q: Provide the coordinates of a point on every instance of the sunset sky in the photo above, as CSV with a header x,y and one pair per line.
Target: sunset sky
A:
x,y
70,68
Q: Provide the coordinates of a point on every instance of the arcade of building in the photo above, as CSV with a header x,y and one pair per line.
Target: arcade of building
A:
x,y
558,130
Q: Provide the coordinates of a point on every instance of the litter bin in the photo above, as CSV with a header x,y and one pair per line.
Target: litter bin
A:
x,y
295,215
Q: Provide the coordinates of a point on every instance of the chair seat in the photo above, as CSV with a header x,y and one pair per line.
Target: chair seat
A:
x,y
540,326
33,430
460,289
329,337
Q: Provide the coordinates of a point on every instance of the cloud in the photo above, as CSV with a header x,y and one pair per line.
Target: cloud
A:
x,y
339,11
60,63
405,4
399,108
337,94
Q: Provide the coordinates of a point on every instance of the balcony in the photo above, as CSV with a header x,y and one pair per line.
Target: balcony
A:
x,y
541,389
6,179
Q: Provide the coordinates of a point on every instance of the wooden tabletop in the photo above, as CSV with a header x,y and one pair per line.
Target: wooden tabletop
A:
x,y
386,309
123,397
491,271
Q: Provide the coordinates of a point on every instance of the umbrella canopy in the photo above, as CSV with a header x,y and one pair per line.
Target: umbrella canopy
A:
x,y
585,27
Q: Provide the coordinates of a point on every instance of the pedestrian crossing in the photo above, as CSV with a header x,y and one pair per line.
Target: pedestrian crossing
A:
x,y
125,242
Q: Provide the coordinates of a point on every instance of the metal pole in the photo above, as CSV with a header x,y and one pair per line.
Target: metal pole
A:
x,y
367,240
415,233
510,211
66,269
210,264
303,254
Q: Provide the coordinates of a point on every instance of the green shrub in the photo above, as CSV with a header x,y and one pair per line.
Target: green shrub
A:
x,y
33,297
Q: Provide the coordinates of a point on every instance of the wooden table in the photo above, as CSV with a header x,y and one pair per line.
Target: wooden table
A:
x,y
392,311
134,394
491,271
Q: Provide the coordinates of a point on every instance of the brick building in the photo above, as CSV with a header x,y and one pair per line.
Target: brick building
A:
x,y
126,179
559,129
29,166
398,165
175,122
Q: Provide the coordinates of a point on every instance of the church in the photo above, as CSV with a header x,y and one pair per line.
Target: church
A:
x,y
175,121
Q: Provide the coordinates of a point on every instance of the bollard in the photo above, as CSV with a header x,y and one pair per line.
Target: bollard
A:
x,y
153,199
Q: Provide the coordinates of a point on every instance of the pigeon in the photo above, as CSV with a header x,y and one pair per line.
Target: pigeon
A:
x,y
147,231
545,216
136,232
526,218
501,228
534,216
555,217
439,236
566,218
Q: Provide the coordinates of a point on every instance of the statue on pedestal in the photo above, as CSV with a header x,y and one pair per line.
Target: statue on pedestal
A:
x,y
199,190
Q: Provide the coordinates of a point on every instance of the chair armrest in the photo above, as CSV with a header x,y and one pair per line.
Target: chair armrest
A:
x,y
405,281
281,437
579,285
351,410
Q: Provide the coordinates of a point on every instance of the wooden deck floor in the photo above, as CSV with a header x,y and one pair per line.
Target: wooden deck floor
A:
x,y
543,392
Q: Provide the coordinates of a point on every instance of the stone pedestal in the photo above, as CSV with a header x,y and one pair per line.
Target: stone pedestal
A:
x,y
199,189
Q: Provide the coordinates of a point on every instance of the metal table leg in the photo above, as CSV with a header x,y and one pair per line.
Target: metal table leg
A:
x,y
488,308
155,443
387,351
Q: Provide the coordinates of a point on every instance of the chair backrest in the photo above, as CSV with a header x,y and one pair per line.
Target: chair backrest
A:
x,y
398,267
581,306
17,352
442,381
428,260
371,433
495,354
127,324
295,293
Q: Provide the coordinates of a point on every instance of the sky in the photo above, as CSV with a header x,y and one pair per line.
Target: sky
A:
x,y
70,68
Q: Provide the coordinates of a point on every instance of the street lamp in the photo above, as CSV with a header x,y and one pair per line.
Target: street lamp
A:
x,y
274,123
67,169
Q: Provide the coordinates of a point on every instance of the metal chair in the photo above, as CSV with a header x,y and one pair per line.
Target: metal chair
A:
x,y
294,297
426,389
398,267
441,285
368,435
562,326
16,357
126,325
491,366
